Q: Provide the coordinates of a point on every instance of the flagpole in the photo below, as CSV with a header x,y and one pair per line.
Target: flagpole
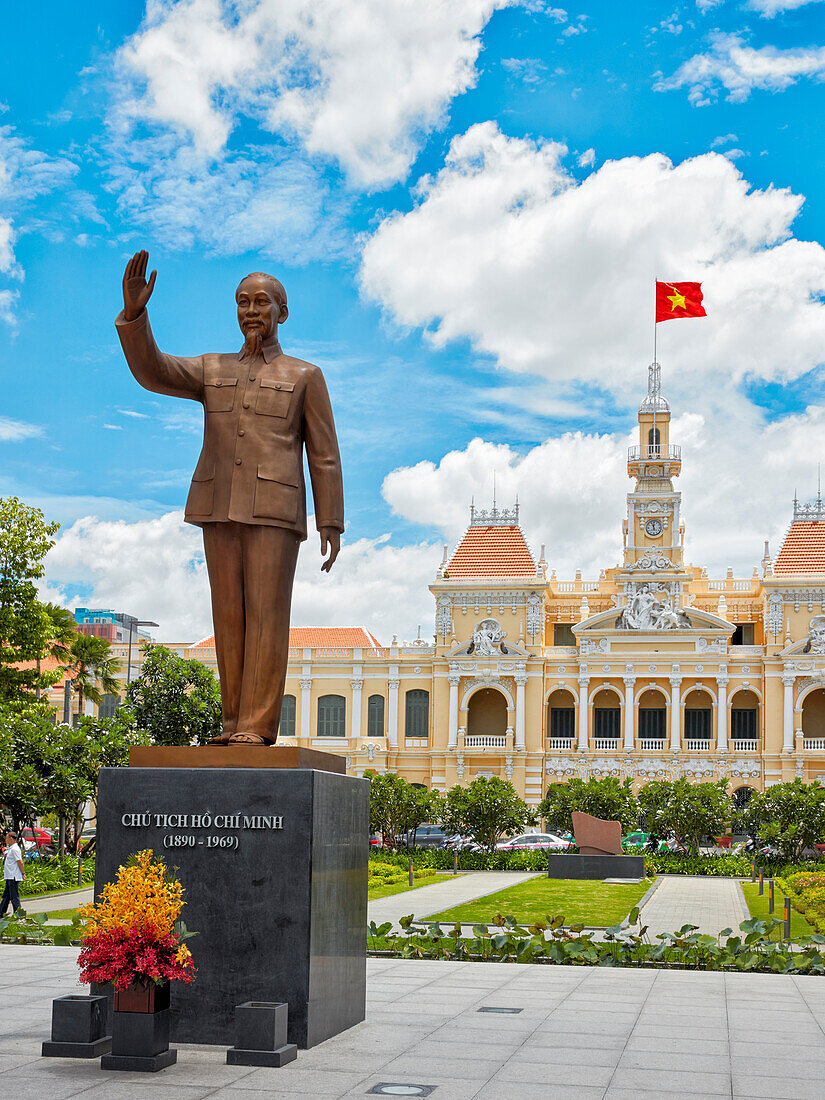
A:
x,y
655,361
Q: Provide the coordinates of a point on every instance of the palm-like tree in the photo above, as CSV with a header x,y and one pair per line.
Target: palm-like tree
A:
x,y
61,635
95,669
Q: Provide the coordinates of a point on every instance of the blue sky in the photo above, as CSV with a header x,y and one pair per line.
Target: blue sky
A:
x,y
467,204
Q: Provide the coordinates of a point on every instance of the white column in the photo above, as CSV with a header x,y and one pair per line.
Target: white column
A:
x,y
306,688
629,713
722,682
392,719
584,681
675,710
452,729
356,707
787,712
521,680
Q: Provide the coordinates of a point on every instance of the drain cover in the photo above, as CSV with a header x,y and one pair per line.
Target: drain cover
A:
x,y
503,1011
391,1089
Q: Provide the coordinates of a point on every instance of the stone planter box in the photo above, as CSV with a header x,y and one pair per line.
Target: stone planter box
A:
x,y
140,1030
78,1028
260,1036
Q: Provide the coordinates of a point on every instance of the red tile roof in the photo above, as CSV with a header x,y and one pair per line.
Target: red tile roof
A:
x,y
492,552
312,637
803,550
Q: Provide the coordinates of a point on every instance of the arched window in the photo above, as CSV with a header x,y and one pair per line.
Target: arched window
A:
x,y
606,715
652,715
417,713
332,712
561,715
698,716
286,727
375,716
744,716
653,438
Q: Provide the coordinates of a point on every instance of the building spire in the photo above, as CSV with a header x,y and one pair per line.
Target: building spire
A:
x,y
653,401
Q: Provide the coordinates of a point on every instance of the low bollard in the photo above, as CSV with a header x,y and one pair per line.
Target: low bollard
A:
x,y
411,874
787,918
761,885
549,857
753,871
770,895
455,863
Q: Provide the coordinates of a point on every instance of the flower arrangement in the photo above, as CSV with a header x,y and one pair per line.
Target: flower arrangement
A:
x,y
132,934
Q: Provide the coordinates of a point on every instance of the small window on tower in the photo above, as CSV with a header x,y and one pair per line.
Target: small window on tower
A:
x,y
743,634
653,440
563,634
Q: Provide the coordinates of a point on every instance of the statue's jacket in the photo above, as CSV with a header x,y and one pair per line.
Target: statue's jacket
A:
x,y
259,415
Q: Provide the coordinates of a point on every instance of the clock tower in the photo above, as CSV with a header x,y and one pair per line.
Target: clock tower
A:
x,y
653,536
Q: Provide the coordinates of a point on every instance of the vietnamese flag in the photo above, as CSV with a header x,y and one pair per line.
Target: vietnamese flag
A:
x,y
674,300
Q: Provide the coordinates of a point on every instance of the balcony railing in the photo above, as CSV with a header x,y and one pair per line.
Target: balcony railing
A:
x,y
485,741
699,745
652,744
815,744
603,744
650,454
563,744
747,744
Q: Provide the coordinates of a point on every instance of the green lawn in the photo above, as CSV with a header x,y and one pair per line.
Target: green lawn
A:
x,y
593,904
400,887
60,914
758,908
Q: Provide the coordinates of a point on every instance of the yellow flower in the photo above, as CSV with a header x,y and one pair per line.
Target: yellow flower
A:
x,y
139,897
183,955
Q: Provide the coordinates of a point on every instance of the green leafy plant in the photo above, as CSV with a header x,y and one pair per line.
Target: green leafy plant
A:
x,y
788,816
686,810
486,810
174,701
608,798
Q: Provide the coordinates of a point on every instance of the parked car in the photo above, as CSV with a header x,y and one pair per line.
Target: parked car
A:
x,y
426,836
545,841
36,838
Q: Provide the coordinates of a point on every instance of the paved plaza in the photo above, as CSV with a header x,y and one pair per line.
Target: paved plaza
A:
x,y
448,891
581,1032
712,903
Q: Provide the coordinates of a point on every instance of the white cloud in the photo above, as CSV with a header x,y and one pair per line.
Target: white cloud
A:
x,y
554,277
708,5
360,81
572,488
154,569
770,8
739,69
587,159
13,430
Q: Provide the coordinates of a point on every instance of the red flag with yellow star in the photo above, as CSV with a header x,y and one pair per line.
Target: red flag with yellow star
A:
x,y
674,300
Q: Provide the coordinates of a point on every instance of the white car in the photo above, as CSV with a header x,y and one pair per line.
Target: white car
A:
x,y
546,841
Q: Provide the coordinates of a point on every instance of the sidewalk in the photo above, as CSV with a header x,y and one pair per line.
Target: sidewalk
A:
x,y
427,900
52,902
712,903
572,1033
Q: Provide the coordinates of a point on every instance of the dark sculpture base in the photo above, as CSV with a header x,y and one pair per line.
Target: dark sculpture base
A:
x,y
274,1058
137,1064
77,1050
276,888
595,867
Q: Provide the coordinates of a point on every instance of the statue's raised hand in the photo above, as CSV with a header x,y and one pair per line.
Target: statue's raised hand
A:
x,y
136,291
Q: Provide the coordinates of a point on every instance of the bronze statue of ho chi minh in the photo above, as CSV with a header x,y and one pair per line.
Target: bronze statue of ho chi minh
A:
x,y
261,408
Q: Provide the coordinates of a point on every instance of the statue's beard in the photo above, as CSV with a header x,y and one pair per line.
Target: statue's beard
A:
x,y
252,344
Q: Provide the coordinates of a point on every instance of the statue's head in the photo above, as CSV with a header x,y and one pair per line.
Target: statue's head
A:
x,y
262,305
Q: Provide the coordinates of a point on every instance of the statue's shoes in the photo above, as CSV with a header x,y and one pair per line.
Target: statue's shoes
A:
x,y
223,739
247,739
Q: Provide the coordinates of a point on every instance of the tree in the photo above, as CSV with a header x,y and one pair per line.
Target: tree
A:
x,y
397,807
610,799
25,538
175,701
26,750
686,810
789,816
61,633
93,664
486,810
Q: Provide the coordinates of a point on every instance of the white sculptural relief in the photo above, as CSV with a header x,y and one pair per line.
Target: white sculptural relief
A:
x,y
651,608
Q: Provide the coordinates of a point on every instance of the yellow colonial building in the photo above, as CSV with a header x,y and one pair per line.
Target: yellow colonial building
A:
x,y
652,670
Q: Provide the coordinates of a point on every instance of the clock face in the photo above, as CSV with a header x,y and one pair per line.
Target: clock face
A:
x,y
653,527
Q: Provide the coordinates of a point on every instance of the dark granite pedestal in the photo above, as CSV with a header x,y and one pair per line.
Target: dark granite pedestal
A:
x,y
274,863
595,867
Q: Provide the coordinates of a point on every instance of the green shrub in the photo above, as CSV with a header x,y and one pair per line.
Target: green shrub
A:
x,y
45,876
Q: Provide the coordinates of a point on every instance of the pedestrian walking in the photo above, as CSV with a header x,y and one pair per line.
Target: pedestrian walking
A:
x,y
12,873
